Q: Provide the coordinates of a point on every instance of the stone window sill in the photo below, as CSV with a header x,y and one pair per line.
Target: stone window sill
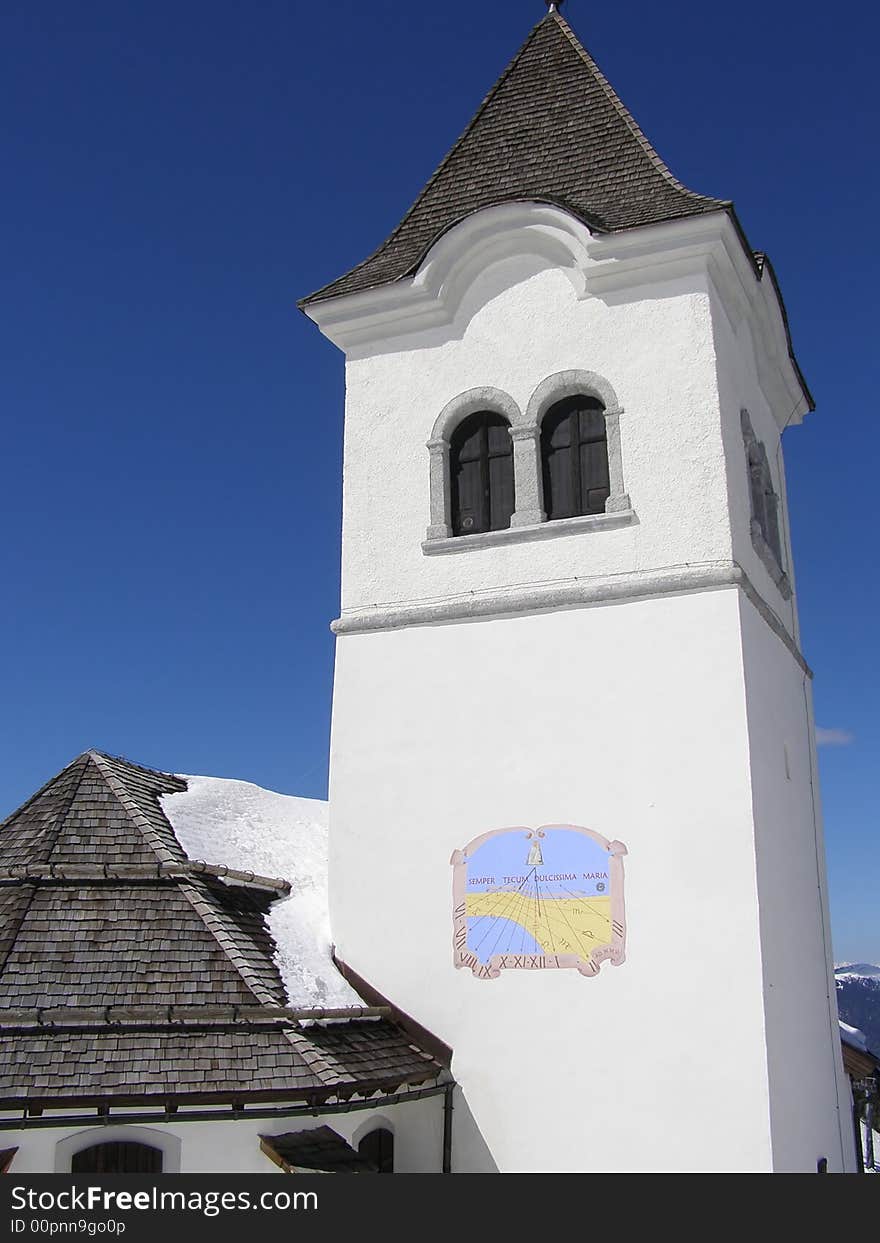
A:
x,y
527,534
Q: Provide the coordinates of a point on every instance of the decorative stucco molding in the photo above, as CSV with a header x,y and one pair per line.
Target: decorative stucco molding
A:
x,y
572,593
607,266
470,402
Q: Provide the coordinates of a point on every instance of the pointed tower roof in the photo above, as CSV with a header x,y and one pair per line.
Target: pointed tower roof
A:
x,y
552,130
130,971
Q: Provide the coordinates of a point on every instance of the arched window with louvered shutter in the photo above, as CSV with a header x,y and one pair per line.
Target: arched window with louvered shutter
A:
x,y
377,1147
481,474
574,458
119,1157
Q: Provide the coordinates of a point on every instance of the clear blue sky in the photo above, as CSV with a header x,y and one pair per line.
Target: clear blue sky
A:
x,y
176,175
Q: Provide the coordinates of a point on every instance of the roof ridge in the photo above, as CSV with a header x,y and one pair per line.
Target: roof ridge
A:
x,y
551,129
47,785
124,797
58,823
389,240
11,934
201,899
95,753
636,130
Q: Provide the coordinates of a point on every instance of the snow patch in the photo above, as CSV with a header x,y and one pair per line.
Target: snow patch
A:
x,y
243,826
852,1036
857,971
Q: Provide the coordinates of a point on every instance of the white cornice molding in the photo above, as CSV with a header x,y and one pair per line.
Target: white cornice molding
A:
x,y
568,593
705,250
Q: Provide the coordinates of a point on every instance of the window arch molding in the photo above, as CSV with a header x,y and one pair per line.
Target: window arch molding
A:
x,y
473,401
376,1122
529,519
167,1144
581,384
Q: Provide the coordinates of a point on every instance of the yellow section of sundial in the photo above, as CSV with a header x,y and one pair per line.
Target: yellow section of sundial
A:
x,y
559,925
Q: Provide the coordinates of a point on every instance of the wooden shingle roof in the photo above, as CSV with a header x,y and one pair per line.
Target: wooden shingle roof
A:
x,y
128,972
551,130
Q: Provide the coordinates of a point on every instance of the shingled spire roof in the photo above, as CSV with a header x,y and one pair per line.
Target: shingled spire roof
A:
x,y
552,130
129,971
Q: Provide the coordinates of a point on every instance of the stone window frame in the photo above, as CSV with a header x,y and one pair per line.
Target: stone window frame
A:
x,y
529,520
760,476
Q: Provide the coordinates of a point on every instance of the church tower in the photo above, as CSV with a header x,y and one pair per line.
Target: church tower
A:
x,y
574,822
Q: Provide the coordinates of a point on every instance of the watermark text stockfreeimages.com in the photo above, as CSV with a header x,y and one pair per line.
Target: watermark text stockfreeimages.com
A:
x,y
94,1198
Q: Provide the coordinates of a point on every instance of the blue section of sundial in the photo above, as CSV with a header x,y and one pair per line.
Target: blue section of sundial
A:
x,y
573,865
488,935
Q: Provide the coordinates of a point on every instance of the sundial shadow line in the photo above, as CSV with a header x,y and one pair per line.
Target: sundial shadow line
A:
x,y
510,906
506,916
577,935
478,919
582,899
502,914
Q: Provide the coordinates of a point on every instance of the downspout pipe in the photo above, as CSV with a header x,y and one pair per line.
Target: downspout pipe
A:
x,y
447,1127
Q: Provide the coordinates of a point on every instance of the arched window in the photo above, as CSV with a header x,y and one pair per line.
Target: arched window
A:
x,y
117,1158
481,474
764,504
574,458
377,1147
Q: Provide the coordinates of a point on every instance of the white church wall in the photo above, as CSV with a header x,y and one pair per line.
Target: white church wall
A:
x,y
628,717
739,388
654,349
809,1090
629,720
233,1146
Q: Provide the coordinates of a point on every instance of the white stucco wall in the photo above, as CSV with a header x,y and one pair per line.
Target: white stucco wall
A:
x,y
809,1094
656,354
631,721
234,1146
738,388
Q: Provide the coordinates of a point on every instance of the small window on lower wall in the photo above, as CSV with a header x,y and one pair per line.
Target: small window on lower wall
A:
x,y
117,1158
377,1147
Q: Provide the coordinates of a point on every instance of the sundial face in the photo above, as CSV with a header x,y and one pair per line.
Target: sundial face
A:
x,y
531,899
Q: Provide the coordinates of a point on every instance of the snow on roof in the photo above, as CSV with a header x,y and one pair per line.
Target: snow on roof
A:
x,y
852,1036
245,827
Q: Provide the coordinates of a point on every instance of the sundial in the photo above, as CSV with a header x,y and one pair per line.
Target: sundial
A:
x,y
532,899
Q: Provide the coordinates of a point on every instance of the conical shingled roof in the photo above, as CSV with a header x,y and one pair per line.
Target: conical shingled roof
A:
x,y
129,971
551,130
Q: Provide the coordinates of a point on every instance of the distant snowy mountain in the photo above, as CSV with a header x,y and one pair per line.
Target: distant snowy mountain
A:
x,y
858,999
858,970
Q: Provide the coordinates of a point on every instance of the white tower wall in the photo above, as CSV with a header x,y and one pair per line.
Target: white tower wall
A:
x,y
629,678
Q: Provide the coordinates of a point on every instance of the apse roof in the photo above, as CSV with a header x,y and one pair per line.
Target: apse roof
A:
x,y
129,971
552,129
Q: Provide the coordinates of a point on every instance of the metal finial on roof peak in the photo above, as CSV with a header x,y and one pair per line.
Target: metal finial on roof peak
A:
x,y
554,6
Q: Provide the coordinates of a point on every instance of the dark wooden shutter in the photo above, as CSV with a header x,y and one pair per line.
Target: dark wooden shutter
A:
x,y
765,502
481,472
574,458
117,1158
378,1148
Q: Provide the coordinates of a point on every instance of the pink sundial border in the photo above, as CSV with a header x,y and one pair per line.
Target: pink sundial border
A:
x,y
615,950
